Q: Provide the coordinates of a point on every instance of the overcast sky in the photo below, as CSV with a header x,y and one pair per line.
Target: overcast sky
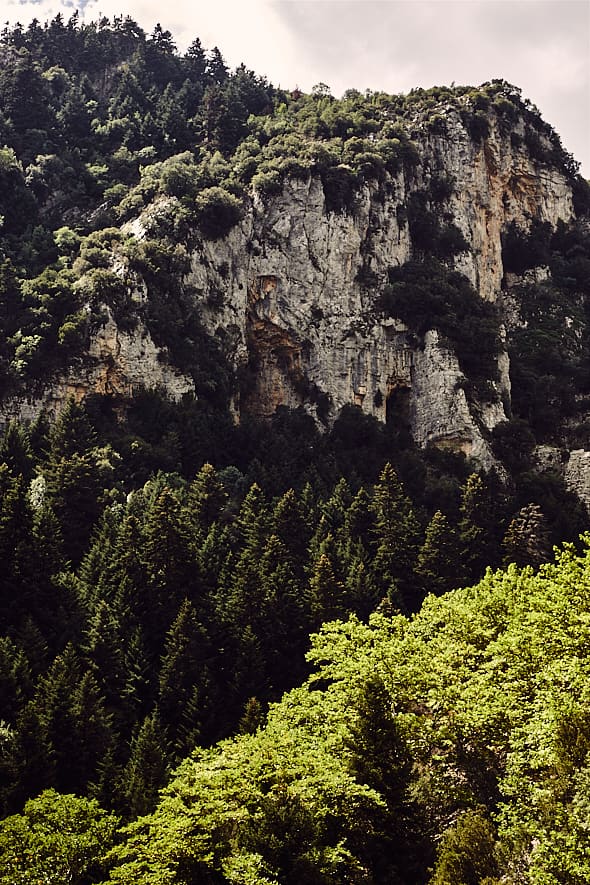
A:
x,y
543,46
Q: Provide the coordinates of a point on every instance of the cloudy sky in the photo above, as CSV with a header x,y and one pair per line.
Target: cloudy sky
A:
x,y
543,46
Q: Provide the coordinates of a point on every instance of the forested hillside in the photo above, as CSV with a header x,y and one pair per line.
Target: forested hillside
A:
x,y
168,548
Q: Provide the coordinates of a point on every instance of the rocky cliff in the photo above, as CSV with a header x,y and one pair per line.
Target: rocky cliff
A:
x,y
300,314
292,291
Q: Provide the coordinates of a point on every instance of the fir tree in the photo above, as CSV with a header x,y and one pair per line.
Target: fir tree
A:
x,y
148,767
438,565
183,699
396,535
526,541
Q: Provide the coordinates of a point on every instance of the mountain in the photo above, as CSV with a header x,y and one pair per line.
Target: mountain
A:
x,y
389,252
273,364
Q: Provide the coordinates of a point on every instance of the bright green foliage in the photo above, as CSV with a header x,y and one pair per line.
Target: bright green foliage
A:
x,y
150,603
281,797
463,733
58,839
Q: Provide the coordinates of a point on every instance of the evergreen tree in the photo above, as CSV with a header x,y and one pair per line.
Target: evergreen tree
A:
x,y
195,61
15,680
526,541
138,690
381,759
395,540
148,767
207,497
292,529
15,542
438,565
103,649
16,451
184,699
250,528
325,594
72,433
478,528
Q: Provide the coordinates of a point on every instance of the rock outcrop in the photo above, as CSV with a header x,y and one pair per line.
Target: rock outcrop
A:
x,y
118,364
301,312
291,291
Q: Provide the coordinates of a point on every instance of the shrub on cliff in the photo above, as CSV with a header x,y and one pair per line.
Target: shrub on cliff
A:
x,y
217,211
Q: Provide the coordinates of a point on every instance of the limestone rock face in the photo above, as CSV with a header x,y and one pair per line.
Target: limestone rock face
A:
x,y
295,289
118,364
291,295
577,475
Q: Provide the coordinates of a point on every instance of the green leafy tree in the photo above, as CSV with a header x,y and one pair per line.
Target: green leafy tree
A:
x,y
62,839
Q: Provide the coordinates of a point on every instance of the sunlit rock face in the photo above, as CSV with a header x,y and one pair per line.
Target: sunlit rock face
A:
x,y
299,286
291,294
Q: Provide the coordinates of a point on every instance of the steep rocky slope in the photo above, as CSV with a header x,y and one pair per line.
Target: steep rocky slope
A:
x,y
291,293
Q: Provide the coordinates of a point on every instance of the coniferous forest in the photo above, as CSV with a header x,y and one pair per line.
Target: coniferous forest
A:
x,y
240,652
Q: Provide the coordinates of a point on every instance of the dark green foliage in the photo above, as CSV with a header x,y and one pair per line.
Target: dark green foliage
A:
x,y
527,540
549,348
513,442
147,769
426,295
428,234
466,855
217,212
522,250
438,565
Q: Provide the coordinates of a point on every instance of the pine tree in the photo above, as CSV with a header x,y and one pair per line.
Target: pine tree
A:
x,y
281,623
184,700
103,649
380,758
207,497
250,528
252,717
526,541
148,767
438,565
15,680
72,433
396,535
216,67
16,451
94,732
362,594
292,529
138,691
358,521
170,567
477,529
325,594
195,61
15,545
